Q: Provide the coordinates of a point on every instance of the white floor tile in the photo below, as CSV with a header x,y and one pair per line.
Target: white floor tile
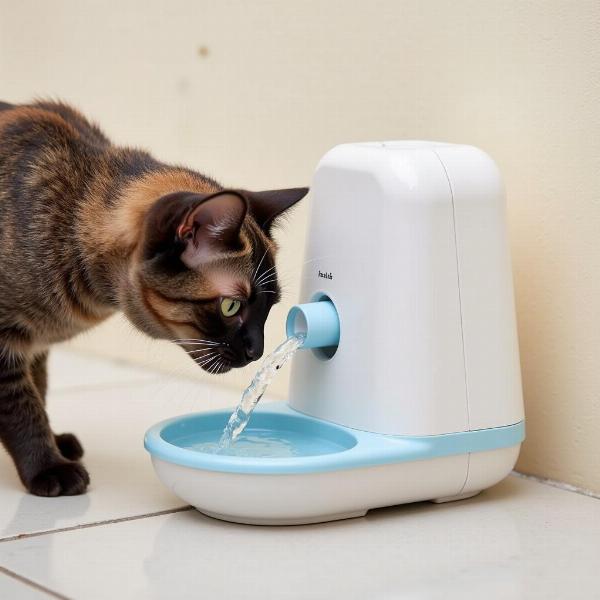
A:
x,y
520,540
110,423
67,370
11,589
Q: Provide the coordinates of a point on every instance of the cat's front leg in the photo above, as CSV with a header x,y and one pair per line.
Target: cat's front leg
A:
x,y
26,434
67,443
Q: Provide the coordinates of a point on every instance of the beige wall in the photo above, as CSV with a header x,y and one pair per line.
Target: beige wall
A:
x,y
281,82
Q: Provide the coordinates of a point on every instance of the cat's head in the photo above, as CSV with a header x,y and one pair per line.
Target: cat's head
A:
x,y
205,273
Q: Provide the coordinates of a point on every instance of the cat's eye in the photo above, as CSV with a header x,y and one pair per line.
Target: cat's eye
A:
x,y
230,307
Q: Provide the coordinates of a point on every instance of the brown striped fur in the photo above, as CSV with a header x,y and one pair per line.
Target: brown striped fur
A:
x,y
88,228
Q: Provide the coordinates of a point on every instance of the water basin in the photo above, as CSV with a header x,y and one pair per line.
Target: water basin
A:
x,y
275,438
290,468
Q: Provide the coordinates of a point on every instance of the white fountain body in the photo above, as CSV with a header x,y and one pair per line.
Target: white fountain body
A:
x,y
409,242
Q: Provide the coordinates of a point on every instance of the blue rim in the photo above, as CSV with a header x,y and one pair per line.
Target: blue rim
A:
x,y
363,449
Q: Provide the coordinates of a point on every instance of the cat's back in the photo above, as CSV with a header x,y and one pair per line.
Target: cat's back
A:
x,y
42,135
47,152
49,121
44,146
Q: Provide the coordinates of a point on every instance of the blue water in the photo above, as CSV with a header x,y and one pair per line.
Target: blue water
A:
x,y
266,443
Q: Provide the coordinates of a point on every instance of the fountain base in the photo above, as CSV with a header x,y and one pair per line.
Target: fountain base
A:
x,y
330,472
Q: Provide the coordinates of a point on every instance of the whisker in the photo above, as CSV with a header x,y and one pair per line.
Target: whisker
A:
x,y
268,282
203,360
293,269
202,346
209,361
207,368
272,275
210,351
190,352
195,340
218,367
263,281
269,277
200,356
260,263
200,360
191,340
267,270
265,274
213,346
266,292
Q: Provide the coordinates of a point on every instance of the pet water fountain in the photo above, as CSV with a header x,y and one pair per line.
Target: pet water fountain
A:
x,y
407,386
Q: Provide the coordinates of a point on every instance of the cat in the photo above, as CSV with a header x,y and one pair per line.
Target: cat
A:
x,y
87,229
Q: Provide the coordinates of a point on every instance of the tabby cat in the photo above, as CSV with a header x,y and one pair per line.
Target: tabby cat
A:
x,y
87,229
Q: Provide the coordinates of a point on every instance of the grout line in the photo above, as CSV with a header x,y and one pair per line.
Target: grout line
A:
x,y
22,536
561,485
32,584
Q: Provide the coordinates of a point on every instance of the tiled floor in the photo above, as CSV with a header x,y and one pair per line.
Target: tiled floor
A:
x,y
130,538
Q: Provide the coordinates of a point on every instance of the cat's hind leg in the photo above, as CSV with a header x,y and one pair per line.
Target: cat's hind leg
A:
x,y
68,444
25,432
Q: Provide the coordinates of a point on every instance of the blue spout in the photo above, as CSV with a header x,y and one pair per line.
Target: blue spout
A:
x,y
318,321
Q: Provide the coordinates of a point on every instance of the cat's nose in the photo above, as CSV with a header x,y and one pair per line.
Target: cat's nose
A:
x,y
253,349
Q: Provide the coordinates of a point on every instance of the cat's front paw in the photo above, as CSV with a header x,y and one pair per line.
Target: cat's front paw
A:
x,y
69,446
64,479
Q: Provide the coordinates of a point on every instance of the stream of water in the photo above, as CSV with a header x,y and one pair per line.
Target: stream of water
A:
x,y
254,392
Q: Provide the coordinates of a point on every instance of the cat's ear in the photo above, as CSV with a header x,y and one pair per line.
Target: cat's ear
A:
x,y
266,207
212,227
195,228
